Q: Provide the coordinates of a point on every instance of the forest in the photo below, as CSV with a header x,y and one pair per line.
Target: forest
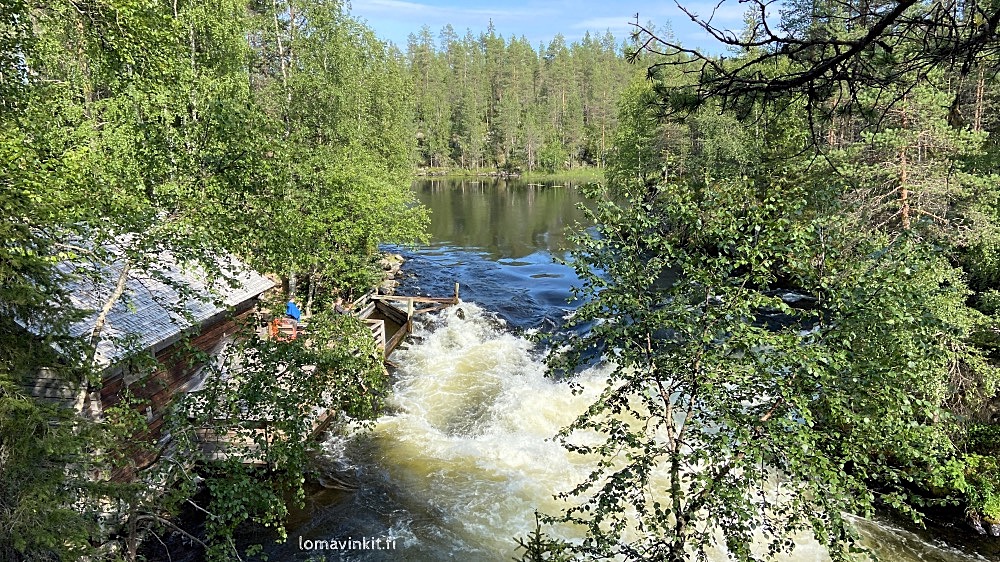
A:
x,y
483,102
794,271
795,276
131,131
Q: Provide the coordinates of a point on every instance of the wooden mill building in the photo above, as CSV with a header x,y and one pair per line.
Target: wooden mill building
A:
x,y
154,320
164,315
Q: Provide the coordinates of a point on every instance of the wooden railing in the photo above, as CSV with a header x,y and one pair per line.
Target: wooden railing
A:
x,y
397,338
378,331
365,305
411,302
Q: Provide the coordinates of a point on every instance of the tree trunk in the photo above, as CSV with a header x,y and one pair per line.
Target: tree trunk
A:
x,y
292,281
311,293
88,87
977,122
281,48
604,143
132,540
904,194
102,317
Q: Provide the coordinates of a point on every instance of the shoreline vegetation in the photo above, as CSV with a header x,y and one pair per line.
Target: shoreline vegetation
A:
x,y
577,175
870,192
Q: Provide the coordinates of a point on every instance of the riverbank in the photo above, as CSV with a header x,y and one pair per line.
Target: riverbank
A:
x,y
574,175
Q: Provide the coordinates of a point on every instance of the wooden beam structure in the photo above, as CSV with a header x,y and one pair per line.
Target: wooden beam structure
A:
x,y
371,306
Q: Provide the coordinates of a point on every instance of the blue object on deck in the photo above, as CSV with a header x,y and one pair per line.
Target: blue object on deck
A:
x,y
292,311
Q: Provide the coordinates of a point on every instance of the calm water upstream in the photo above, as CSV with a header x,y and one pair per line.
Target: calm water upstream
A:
x,y
459,463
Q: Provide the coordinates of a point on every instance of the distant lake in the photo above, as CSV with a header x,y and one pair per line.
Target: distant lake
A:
x,y
499,239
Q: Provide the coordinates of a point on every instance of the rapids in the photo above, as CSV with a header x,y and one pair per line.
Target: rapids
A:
x,y
463,456
457,467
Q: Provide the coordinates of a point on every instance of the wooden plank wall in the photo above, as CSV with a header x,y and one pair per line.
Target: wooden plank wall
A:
x,y
55,389
157,391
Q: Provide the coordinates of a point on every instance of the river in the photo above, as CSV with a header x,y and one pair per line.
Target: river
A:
x,y
458,464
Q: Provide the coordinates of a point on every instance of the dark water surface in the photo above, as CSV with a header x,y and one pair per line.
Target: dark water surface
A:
x,y
462,458
500,240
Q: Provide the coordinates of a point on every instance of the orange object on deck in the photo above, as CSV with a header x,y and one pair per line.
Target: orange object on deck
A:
x,y
283,329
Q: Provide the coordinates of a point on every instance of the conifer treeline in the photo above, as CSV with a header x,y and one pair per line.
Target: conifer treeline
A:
x,y
489,102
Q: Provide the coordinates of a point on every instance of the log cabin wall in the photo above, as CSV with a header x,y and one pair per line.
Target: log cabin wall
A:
x,y
175,375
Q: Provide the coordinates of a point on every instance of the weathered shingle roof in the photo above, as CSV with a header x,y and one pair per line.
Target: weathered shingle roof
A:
x,y
158,305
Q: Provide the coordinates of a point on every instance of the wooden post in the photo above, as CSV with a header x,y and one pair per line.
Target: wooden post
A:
x,y
456,292
409,308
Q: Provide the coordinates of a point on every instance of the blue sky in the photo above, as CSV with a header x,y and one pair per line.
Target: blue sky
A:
x,y
541,20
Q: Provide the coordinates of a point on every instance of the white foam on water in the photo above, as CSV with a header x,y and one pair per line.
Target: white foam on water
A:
x,y
470,439
473,428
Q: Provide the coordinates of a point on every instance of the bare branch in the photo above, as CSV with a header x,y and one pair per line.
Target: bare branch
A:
x,y
839,52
